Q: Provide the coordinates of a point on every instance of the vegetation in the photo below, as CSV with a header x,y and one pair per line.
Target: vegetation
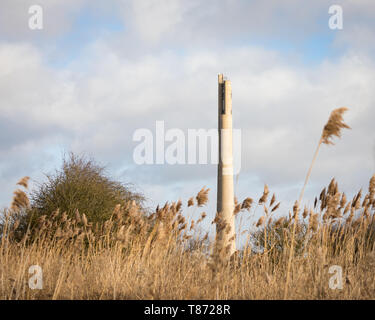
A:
x,y
81,185
164,255
155,258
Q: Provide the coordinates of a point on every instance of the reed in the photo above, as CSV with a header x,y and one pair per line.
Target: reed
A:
x,y
168,254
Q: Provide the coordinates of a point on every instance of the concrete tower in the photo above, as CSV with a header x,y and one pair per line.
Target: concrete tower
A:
x,y
225,192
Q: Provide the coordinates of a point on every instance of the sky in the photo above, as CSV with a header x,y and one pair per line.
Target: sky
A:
x,y
100,70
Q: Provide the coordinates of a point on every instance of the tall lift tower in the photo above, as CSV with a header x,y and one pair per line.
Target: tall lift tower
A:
x,y
225,191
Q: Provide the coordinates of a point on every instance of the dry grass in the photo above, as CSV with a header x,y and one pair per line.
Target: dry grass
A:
x,y
164,257
332,128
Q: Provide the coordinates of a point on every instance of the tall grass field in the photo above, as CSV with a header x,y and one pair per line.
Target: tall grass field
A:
x,y
325,251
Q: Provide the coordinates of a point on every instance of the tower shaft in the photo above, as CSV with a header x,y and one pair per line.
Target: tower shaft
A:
x,y
225,190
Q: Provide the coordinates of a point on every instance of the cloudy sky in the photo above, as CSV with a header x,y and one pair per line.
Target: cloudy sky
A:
x,y
99,70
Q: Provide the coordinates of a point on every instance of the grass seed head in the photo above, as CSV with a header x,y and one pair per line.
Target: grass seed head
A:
x,y
263,198
20,200
246,204
260,221
191,202
371,188
24,182
237,209
202,197
334,125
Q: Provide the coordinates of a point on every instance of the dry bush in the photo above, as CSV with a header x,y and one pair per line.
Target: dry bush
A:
x,y
81,185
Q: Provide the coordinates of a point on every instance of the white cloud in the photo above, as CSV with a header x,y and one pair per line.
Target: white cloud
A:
x,y
281,109
95,103
153,18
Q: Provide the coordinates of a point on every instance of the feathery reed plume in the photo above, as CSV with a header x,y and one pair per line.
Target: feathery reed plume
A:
x,y
202,197
265,210
260,221
305,212
371,188
313,221
332,187
179,205
343,200
237,208
273,200
279,222
64,217
347,208
356,203
20,200
24,182
332,128
246,204
263,198
78,217
269,221
276,207
191,202
192,225
322,194
203,215
295,210
334,125
84,220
